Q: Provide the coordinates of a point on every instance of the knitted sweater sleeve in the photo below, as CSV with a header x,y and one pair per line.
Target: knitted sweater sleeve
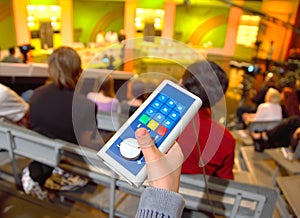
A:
x,y
156,202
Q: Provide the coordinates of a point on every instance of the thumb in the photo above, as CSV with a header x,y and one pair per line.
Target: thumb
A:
x,y
150,151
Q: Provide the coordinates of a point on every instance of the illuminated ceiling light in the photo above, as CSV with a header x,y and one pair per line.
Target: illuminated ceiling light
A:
x,y
54,24
30,18
138,24
157,25
255,18
157,20
160,12
54,8
30,24
138,19
254,28
30,7
53,18
139,10
41,8
246,17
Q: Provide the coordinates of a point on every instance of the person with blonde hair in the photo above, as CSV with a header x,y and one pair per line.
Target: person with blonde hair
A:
x,y
270,110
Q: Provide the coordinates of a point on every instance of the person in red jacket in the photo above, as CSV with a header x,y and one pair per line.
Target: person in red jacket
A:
x,y
215,157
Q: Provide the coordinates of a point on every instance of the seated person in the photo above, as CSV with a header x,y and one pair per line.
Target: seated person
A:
x,y
105,97
284,134
13,108
100,37
138,89
54,113
270,81
290,101
111,36
246,105
11,58
208,147
270,110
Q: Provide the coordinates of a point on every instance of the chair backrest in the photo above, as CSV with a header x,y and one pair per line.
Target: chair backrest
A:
x,y
30,144
4,137
260,126
110,121
85,155
14,69
229,198
39,70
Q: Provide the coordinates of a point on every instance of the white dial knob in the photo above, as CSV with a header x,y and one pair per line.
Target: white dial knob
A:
x,y
129,149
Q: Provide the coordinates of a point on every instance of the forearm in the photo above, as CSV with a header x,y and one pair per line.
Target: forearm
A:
x,y
160,203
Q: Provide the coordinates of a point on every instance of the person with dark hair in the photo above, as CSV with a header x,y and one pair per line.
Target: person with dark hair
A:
x,y
105,98
210,146
284,134
11,58
52,114
138,90
122,36
270,81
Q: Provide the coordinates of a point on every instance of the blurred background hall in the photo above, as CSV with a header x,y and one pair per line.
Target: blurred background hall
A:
x,y
254,41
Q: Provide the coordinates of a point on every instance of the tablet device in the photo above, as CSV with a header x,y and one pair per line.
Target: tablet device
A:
x,y
165,113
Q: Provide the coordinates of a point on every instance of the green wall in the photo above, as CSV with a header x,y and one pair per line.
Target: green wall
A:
x,y
7,28
92,16
153,4
201,24
42,2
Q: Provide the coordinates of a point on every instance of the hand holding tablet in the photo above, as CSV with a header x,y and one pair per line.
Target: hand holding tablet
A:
x,y
164,114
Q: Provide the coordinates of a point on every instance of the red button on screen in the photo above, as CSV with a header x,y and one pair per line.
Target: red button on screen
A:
x,y
162,130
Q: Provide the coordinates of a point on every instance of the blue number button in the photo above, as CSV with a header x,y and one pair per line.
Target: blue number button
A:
x,y
168,123
159,117
171,103
156,104
174,115
150,111
162,98
165,110
180,108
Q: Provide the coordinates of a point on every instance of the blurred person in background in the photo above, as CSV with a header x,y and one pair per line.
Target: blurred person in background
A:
x,y
13,107
270,81
270,110
289,95
138,91
11,58
105,98
284,134
209,82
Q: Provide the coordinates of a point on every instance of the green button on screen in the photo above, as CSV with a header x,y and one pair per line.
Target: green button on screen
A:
x,y
144,119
